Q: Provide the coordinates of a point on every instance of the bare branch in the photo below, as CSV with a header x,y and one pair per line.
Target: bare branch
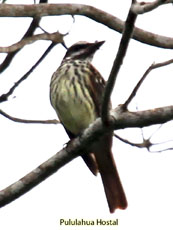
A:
x,y
144,7
7,10
4,97
138,145
128,30
29,32
54,37
161,143
29,121
36,176
145,144
160,126
153,66
141,118
162,150
120,120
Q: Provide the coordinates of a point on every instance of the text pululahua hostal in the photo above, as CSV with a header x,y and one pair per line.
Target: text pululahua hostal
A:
x,y
83,222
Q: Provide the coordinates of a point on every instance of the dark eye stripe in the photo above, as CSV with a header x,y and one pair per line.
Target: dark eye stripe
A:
x,y
77,47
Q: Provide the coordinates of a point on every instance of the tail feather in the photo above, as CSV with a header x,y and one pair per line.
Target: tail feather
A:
x,y
111,181
113,189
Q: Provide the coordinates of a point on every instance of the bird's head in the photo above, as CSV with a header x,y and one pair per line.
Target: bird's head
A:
x,y
82,50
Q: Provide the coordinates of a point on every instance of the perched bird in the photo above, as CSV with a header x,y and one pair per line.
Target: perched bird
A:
x,y
76,91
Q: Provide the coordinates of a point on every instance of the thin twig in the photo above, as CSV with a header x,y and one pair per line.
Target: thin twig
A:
x,y
139,145
34,24
4,97
10,56
127,34
155,131
145,144
162,150
153,66
163,142
26,121
54,37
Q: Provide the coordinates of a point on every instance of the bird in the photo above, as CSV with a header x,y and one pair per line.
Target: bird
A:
x,y
76,91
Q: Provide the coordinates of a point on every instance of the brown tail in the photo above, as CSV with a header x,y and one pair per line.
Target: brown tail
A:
x,y
112,185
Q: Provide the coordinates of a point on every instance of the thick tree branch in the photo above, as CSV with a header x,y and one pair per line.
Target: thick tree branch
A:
x,y
144,7
15,119
127,34
141,119
7,10
120,120
54,37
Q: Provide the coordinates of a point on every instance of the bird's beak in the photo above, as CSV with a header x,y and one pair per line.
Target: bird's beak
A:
x,y
97,44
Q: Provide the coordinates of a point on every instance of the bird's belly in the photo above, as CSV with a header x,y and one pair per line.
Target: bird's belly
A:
x,y
76,113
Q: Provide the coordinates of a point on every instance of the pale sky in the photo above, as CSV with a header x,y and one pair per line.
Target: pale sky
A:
x,y
73,192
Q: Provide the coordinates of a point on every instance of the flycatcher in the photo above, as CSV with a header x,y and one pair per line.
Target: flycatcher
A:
x,y
76,91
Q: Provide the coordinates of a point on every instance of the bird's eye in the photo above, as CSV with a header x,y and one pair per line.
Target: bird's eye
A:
x,y
76,50
78,47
